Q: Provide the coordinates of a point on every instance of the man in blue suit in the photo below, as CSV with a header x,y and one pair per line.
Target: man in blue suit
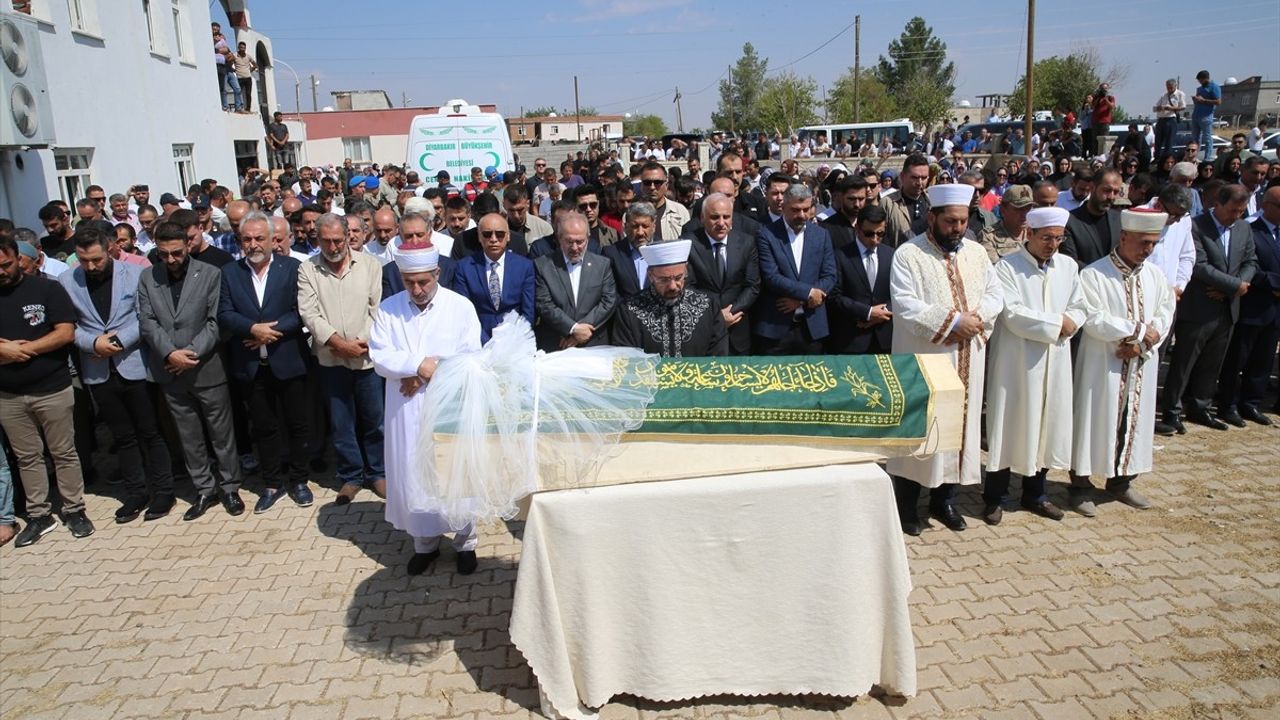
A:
x,y
797,271
104,292
1252,352
258,308
496,280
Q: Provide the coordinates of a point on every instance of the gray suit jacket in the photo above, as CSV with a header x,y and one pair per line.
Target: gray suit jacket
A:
x,y
1214,271
559,310
191,325
131,362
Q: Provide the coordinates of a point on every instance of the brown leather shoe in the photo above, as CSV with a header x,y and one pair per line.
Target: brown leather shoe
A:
x,y
347,493
380,488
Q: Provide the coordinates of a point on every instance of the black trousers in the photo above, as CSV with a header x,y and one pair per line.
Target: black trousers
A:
x,y
996,489
907,494
276,403
1164,136
1198,351
797,341
1247,367
126,407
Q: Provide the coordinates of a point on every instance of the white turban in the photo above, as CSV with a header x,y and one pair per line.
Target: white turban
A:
x,y
671,252
1143,220
416,260
950,194
1047,217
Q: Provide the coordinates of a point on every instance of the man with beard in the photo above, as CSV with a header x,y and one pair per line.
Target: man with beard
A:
x,y
1094,228
945,298
338,296
848,198
104,293
797,272
177,314
668,318
258,309
57,224
910,204
630,270
1073,196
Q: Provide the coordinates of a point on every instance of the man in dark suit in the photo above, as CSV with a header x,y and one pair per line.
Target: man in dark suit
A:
x,y
744,223
848,198
495,279
630,274
797,272
725,263
575,295
1094,228
550,244
178,318
861,322
419,227
1252,352
1225,265
258,309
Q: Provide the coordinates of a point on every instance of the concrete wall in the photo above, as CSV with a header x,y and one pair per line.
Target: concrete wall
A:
x,y
110,93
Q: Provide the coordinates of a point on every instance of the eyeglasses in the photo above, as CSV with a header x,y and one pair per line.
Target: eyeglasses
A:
x,y
588,205
672,280
876,233
654,183
500,234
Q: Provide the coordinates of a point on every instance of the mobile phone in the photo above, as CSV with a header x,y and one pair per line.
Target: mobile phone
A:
x,y
116,341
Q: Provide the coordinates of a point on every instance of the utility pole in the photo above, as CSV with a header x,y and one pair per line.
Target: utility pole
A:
x,y
577,110
404,99
857,66
679,116
315,106
732,124
1031,43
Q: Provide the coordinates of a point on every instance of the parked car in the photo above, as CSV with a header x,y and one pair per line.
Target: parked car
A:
x,y
1270,144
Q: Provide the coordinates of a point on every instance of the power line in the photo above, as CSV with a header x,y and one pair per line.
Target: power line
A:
x,y
846,29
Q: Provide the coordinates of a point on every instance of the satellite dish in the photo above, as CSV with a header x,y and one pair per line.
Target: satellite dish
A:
x,y
966,104
551,115
327,108
627,115
1231,81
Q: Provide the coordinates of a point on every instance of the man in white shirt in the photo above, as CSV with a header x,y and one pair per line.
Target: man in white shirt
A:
x,y
1255,137
1081,187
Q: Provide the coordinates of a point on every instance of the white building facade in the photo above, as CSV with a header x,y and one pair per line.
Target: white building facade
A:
x,y
132,98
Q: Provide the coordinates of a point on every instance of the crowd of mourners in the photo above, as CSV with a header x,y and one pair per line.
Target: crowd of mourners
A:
x,y
226,333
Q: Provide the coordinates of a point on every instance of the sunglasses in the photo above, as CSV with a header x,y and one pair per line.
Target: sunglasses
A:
x,y
588,205
877,233
500,234
653,183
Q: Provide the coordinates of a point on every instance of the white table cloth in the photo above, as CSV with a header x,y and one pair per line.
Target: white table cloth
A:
x,y
785,582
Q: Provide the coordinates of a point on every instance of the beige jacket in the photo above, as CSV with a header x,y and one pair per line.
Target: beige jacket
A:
x,y
343,304
672,220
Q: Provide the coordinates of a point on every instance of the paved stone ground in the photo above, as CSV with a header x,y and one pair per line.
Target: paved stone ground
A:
x,y
1169,613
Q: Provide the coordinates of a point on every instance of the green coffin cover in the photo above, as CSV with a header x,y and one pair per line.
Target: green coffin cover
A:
x,y
880,397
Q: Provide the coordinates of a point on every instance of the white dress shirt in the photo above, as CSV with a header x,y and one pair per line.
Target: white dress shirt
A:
x,y
575,275
1175,254
797,246
260,289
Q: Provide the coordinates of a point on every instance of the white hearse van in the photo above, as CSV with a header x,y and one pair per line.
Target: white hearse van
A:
x,y
456,138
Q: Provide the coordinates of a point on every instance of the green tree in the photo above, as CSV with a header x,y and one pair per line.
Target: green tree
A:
x,y
739,99
922,100
1063,81
646,125
874,101
917,53
787,102
546,110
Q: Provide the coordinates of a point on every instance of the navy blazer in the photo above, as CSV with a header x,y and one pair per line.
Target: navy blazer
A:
x,y
624,268
239,310
853,298
392,283
1214,271
1261,305
471,280
779,279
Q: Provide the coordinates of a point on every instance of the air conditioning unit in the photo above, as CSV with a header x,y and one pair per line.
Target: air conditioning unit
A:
x,y
26,117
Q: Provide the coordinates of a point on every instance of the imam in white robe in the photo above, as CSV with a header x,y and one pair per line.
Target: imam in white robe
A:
x,y
402,337
1029,377
1115,400
929,289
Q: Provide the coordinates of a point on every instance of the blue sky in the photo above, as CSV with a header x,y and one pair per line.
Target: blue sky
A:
x,y
630,54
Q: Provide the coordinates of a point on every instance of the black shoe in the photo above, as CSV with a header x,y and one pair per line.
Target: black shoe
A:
x,y
1207,420
267,499
1231,417
912,527
992,514
1254,415
467,562
35,529
130,510
1044,508
949,516
1165,429
1175,422
301,494
419,563
232,502
200,506
160,506
78,523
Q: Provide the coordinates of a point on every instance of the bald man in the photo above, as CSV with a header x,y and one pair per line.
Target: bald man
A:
x,y
385,229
